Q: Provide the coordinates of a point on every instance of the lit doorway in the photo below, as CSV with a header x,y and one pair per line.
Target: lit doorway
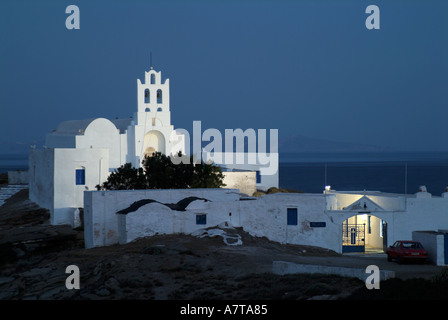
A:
x,y
364,233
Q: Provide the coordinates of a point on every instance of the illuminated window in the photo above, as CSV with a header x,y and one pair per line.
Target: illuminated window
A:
x,y
292,216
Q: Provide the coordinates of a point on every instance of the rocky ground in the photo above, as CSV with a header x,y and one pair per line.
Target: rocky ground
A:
x,y
34,256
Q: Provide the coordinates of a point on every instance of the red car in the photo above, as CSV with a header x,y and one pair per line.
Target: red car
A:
x,y
406,250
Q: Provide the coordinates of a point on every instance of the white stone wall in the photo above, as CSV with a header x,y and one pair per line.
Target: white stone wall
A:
x,y
266,180
403,214
59,193
41,179
422,214
434,243
103,226
156,218
245,181
103,134
265,216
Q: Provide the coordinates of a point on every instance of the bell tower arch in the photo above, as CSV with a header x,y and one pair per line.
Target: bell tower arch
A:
x,y
152,129
153,95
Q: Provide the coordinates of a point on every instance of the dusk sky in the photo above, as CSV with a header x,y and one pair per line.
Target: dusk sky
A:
x,y
309,68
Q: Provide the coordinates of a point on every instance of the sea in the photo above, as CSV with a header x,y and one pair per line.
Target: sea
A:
x,y
394,172
13,162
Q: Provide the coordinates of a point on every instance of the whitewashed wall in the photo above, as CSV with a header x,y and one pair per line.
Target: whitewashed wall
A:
x,y
40,175
403,214
265,216
266,180
103,134
422,214
103,226
69,196
434,243
245,181
61,195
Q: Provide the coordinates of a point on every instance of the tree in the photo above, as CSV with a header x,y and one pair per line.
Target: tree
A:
x,y
125,178
163,172
206,175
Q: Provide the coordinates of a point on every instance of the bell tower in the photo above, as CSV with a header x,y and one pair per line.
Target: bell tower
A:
x,y
153,98
152,129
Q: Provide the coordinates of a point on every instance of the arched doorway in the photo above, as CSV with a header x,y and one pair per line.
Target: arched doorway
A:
x,y
364,233
154,141
149,151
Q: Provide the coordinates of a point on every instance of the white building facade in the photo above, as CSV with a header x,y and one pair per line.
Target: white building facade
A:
x,y
339,221
81,154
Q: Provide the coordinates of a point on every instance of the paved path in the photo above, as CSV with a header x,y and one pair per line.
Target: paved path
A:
x,y
404,271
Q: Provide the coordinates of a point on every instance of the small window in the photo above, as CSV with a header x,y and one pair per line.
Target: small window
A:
x,y
153,78
146,95
292,216
159,96
159,109
258,175
201,219
80,176
147,110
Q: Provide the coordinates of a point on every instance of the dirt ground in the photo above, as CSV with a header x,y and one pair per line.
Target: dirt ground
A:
x,y
34,256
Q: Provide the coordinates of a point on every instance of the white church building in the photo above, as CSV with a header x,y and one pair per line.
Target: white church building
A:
x,y
80,154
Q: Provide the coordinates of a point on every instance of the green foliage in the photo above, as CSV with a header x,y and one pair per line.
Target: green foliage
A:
x,y
164,172
180,172
125,178
206,175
